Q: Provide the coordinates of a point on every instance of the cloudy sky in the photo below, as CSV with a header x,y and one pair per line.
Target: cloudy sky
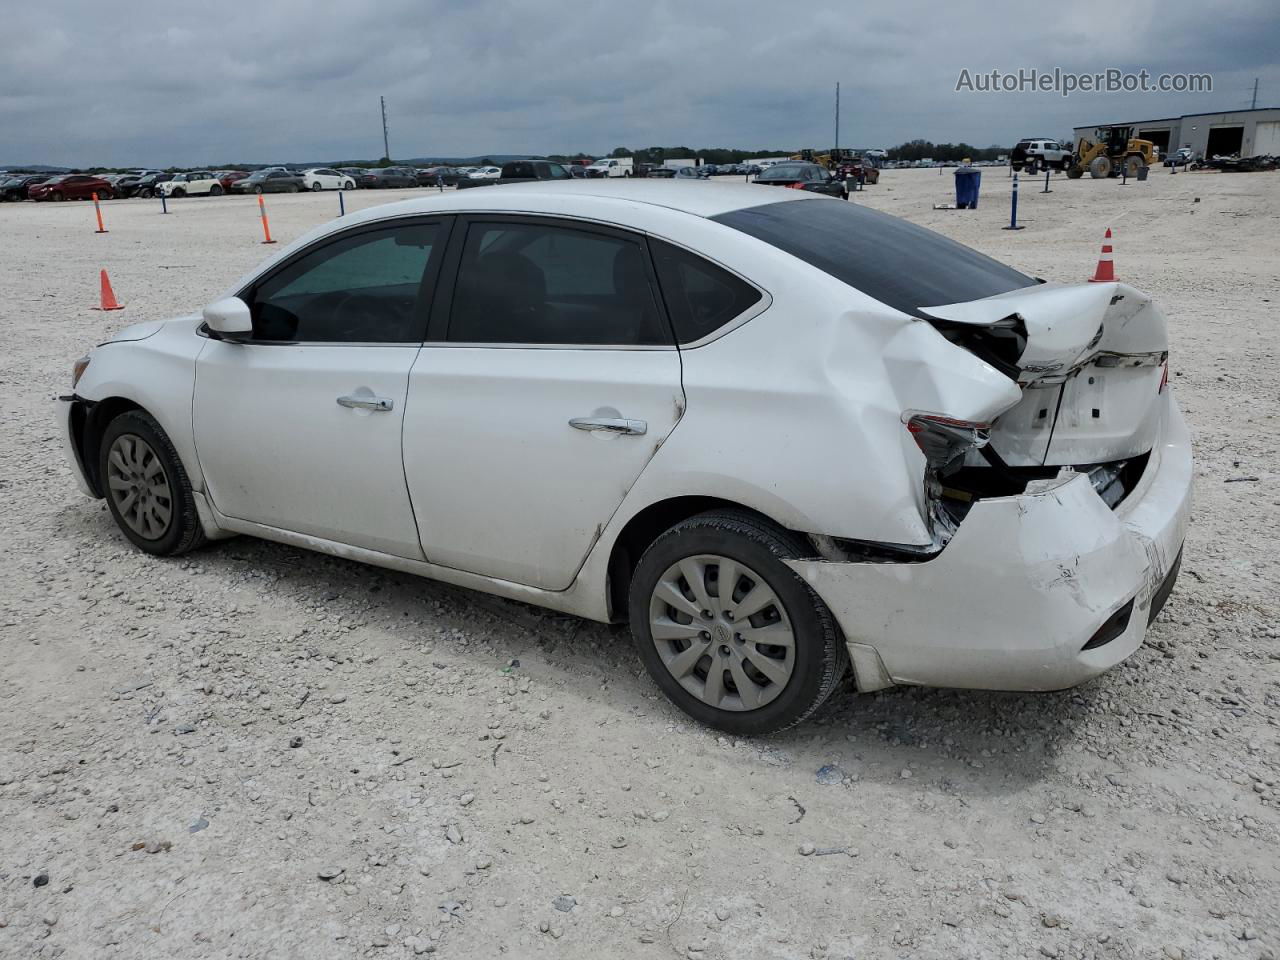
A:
x,y
161,84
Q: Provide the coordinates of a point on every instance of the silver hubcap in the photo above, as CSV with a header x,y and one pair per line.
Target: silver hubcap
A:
x,y
139,487
722,632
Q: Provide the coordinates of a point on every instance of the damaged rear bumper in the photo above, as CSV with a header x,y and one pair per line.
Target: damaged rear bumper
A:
x,y
1035,592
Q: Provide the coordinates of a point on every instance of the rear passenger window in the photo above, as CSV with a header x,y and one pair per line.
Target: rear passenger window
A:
x,y
701,297
538,283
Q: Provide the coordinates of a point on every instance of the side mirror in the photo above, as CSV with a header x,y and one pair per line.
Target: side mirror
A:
x,y
229,317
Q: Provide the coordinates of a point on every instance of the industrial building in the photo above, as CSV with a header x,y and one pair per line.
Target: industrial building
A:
x,y
1246,133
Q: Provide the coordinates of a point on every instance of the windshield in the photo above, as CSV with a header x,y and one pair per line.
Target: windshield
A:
x,y
898,263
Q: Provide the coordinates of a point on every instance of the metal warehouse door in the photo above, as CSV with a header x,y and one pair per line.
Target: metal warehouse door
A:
x,y
1266,139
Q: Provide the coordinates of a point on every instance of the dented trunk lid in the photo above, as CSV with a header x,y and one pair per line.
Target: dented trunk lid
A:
x,y
1088,358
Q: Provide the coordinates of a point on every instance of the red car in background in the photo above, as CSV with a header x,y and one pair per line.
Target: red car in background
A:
x,y
228,177
72,186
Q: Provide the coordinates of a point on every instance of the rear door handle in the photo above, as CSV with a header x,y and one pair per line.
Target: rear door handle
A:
x,y
366,403
633,428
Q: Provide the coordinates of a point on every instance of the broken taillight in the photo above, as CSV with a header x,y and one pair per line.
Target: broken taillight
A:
x,y
1164,375
943,440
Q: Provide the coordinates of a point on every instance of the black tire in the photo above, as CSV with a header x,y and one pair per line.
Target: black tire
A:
x,y
258,189
293,188
820,652
178,193
183,532
58,197
315,187
215,190
146,193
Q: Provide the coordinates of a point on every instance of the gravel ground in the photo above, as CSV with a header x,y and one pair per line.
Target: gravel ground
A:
x,y
259,752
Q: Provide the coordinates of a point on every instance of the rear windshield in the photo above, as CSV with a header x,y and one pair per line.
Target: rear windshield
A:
x,y
896,262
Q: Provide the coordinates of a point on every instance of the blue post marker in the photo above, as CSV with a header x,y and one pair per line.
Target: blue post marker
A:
x,y
342,206
164,207
1013,209
1046,183
1124,176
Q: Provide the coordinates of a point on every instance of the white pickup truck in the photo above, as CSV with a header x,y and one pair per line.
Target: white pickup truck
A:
x,y
612,167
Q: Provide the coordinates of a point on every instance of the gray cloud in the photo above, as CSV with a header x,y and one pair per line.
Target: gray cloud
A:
x,y
158,83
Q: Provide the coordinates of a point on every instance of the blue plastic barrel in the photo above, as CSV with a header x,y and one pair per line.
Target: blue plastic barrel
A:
x,y
968,183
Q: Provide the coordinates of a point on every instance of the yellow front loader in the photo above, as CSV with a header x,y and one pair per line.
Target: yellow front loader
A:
x,y
1112,150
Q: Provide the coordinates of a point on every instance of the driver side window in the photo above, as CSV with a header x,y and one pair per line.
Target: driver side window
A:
x,y
363,288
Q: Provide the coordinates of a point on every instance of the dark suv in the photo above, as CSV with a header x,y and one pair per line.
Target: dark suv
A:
x,y
15,188
388,177
146,187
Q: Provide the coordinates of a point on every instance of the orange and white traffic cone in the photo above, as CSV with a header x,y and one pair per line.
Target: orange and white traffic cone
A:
x,y
1106,272
107,296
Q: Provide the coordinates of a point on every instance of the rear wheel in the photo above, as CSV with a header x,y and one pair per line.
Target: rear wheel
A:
x,y
257,188
730,633
293,188
146,487
178,193
215,190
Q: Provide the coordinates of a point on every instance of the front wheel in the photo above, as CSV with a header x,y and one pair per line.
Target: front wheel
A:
x,y
728,631
258,189
59,197
146,487
293,188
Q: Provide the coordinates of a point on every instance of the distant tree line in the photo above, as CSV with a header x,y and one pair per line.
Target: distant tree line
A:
x,y
927,150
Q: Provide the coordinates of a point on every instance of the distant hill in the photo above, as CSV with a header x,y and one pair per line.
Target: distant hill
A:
x,y
33,168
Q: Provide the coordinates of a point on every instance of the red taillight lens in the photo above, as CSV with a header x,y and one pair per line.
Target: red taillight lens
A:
x,y
943,440
1164,376
795,186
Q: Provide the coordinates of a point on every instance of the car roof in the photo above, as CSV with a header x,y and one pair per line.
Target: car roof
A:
x,y
701,200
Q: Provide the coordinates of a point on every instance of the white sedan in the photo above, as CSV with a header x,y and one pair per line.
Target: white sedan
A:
x,y
485,173
777,433
324,178
202,182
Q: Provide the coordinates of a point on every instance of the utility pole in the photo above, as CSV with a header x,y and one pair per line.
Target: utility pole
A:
x,y
1254,105
386,147
837,147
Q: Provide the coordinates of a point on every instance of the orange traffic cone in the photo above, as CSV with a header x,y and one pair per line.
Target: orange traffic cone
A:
x,y
108,296
1106,272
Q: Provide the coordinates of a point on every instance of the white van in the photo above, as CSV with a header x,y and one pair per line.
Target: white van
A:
x,y
612,167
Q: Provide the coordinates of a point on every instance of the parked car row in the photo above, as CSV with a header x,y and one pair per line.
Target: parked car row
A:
x,y
210,183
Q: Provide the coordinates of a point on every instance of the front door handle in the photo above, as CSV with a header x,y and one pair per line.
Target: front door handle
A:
x,y
632,428
366,403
